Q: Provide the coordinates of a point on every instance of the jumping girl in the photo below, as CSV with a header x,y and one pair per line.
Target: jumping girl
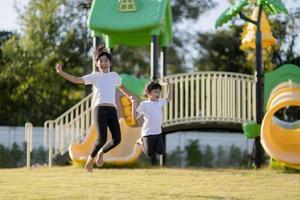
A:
x,y
105,113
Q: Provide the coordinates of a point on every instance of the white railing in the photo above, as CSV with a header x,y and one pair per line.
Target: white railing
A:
x,y
198,97
211,96
68,128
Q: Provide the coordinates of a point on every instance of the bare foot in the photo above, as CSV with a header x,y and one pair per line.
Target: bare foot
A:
x,y
89,164
139,141
99,158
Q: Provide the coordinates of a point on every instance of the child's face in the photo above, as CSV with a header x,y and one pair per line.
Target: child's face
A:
x,y
154,94
103,64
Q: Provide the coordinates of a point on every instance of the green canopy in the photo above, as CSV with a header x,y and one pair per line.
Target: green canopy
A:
x,y
151,17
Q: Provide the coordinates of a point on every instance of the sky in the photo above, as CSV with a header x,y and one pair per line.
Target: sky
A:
x,y
9,21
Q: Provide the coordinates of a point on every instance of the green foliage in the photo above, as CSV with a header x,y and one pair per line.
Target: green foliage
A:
x,y
234,156
4,36
4,157
39,156
175,157
186,10
52,31
16,156
231,12
221,157
31,89
274,6
193,154
220,52
285,30
271,6
208,157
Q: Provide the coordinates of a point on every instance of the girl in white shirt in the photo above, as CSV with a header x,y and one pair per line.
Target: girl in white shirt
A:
x,y
151,109
105,114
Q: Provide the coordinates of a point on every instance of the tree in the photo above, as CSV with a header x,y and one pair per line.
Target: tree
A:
x,y
5,160
285,29
52,31
193,154
39,156
175,157
17,155
31,90
208,157
220,51
4,36
235,156
221,157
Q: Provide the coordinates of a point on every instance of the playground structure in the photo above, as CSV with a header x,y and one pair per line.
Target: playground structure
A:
x,y
225,100
200,100
281,139
259,36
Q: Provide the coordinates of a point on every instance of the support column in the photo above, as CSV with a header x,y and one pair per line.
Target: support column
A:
x,y
163,61
163,73
96,42
111,51
154,58
259,89
163,157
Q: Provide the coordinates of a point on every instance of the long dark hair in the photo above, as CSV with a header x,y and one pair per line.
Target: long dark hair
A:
x,y
102,51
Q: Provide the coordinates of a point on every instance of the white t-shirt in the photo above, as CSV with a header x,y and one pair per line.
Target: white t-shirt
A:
x,y
104,87
152,112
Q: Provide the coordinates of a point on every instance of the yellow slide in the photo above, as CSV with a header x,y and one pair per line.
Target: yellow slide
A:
x,y
126,152
281,140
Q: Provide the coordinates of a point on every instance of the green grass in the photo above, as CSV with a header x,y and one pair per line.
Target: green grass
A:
x,y
161,183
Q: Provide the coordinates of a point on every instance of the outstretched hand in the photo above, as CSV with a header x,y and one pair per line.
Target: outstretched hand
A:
x,y
58,68
133,101
166,82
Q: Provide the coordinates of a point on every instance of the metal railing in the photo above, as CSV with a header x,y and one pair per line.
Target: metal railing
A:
x,y
211,96
68,128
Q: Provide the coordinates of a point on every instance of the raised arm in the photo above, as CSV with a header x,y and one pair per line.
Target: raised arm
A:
x,y
133,101
69,77
135,114
127,94
170,91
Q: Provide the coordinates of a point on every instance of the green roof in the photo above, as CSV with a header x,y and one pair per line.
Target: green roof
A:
x,y
152,17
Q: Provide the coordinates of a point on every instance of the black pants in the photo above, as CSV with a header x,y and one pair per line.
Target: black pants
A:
x,y
106,116
152,145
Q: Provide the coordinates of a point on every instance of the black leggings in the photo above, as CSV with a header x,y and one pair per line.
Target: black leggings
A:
x,y
152,145
106,116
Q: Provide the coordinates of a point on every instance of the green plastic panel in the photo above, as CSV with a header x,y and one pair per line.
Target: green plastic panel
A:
x,y
152,17
284,73
251,130
134,85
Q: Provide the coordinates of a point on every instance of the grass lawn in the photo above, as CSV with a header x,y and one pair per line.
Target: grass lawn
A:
x,y
161,183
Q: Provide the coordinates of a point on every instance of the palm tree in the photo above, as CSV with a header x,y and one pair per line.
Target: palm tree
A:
x,y
271,7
